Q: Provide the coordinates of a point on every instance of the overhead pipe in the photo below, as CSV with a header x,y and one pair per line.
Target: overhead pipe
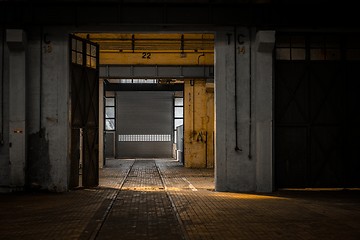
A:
x,y
182,54
133,43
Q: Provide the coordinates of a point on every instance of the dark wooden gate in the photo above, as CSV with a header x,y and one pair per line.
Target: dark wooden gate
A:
x,y
84,79
316,119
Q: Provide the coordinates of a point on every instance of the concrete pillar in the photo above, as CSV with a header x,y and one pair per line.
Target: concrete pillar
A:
x,y
263,91
55,103
198,124
234,164
243,106
16,41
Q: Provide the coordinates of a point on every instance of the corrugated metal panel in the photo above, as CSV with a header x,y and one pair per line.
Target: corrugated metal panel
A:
x,y
144,124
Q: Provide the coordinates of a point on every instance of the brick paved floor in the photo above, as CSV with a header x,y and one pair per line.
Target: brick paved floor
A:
x,y
159,199
142,209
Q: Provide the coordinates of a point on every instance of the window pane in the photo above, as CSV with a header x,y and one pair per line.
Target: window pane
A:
x,y
317,54
93,50
110,124
297,54
88,49
88,64
333,54
110,102
110,112
79,46
179,102
73,44
283,53
93,62
125,81
178,122
73,57
79,58
178,112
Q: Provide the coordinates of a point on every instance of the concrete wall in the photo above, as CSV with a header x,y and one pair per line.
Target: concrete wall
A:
x,y
243,98
4,115
54,107
243,121
47,122
16,42
198,125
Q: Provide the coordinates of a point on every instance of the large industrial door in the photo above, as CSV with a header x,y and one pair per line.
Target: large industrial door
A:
x,y
84,81
144,123
316,115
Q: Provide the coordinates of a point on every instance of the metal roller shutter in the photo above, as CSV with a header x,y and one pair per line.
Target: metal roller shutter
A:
x,y
144,124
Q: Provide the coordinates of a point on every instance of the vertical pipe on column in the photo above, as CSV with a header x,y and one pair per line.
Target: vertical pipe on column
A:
x,y
250,97
2,87
40,80
235,86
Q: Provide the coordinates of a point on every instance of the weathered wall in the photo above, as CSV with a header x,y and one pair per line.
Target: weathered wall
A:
x,y
198,125
4,115
16,41
46,161
243,120
55,100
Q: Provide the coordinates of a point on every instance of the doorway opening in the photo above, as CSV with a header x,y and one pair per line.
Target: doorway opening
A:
x,y
156,96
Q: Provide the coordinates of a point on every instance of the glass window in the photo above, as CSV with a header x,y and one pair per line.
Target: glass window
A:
x,y
179,112
298,53
178,122
110,114
179,101
110,124
110,102
283,53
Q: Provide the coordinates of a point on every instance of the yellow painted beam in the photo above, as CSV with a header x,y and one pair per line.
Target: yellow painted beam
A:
x,y
156,58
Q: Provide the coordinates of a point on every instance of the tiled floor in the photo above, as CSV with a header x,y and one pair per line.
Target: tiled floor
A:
x,y
159,199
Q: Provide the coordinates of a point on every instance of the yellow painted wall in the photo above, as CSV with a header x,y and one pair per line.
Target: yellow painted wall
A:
x,y
198,125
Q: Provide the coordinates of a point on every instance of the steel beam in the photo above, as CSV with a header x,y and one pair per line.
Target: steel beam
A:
x,y
155,72
143,87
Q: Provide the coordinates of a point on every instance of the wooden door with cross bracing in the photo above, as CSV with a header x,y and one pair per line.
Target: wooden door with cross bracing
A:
x,y
84,82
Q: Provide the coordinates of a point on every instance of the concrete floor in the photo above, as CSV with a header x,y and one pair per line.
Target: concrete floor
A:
x,y
159,199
